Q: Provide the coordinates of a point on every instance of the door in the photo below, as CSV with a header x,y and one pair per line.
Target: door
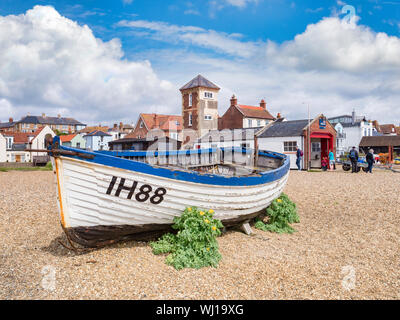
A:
x,y
315,153
17,158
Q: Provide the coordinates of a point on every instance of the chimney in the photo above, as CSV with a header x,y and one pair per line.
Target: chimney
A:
x,y
11,120
43,115
121,125
115,126
233,101
263,104
353,117
278,116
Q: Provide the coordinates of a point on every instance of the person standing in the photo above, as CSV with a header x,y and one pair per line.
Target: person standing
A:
x,y
353,155
370,160
299,155
331,160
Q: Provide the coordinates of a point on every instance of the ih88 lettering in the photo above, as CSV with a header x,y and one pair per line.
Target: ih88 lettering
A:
x,y
144,193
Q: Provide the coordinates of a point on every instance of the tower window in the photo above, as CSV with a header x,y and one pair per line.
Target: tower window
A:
x,y
207,117
208,94
190,100
190,120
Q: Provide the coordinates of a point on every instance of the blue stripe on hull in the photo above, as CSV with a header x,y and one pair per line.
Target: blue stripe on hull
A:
x,y
211,179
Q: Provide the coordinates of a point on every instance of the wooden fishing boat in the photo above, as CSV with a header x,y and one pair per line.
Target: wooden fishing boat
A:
x,y
108,196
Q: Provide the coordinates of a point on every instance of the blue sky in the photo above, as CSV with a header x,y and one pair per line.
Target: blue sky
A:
x,y
226,41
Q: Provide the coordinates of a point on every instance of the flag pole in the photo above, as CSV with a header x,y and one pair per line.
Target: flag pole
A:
x,y
309,138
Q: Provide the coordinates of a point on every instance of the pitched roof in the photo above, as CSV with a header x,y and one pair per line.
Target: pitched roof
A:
x,y
160,121
380,141
49,120
7,124
67,138
97,133
387,128
199,81
90,129
255,112
22,137
349,124
292,128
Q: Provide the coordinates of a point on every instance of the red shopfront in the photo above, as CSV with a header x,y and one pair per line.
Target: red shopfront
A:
x,y
322,139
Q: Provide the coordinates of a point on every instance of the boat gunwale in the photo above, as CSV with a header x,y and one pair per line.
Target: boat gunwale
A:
x,y
263,177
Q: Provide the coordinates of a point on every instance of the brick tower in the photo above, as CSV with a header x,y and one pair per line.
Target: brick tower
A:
x,y
199,106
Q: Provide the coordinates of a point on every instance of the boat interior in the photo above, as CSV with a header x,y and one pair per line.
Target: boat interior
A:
x,y
220,161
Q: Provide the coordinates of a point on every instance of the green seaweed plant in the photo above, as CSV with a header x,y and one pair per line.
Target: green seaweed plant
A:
x,y
195,244
281,213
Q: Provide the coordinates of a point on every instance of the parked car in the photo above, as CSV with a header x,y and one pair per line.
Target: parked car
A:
x,y
397,160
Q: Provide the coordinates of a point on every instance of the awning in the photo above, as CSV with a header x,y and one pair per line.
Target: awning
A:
x,y
321,135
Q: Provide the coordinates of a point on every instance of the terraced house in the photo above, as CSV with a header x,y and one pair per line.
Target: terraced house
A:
x,y
17,145
32,123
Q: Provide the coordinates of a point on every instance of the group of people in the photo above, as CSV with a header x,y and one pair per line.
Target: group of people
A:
x,y
324,161
353,156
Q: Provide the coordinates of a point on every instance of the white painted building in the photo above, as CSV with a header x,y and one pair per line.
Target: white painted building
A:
x,y
97,140
354,128
3,152
17,144
340,140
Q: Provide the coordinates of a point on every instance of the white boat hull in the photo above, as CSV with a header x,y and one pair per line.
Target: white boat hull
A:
x,y
88,197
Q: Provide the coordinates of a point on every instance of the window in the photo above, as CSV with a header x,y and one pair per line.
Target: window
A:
x,y
289,146
174,135
316,146
207,117
78,144
245,145
258,123
190,120
9,142
190,100
101,138
249,123
208,95
177,123
141,124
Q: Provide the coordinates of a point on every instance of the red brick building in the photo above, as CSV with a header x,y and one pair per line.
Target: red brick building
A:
x,y
171,125
239,116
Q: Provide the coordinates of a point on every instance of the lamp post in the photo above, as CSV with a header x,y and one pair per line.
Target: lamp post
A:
x,y
308,139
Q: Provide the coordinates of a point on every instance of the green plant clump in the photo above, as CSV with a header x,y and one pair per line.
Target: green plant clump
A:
x,y
195,244
281,213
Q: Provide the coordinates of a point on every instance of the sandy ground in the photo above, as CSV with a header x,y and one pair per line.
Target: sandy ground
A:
x,y
347,246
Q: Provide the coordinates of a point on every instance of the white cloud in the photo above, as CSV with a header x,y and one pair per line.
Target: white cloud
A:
x,y
127,1
333,44
192,11
50,63
239,3
218,41
333,66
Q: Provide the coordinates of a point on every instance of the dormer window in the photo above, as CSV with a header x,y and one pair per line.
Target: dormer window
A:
x,y
141,124
208,95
